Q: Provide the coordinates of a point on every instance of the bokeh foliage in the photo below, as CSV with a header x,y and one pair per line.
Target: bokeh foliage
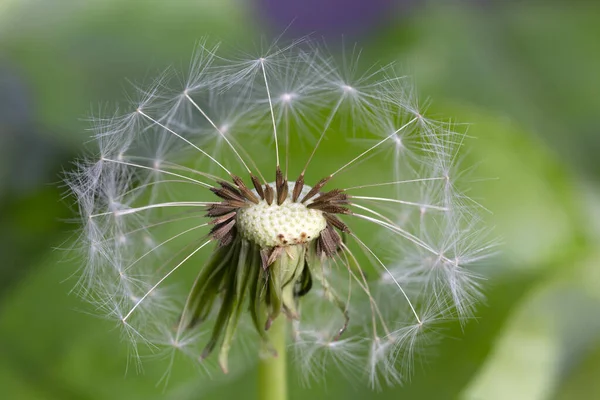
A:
x,y
523,75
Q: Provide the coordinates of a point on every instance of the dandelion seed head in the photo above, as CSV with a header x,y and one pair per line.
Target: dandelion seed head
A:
x,y
221,173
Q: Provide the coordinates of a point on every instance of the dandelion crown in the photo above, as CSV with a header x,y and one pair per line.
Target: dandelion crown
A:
x,y
361,269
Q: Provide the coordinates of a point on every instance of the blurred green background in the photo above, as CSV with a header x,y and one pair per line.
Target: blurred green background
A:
x,y
524,74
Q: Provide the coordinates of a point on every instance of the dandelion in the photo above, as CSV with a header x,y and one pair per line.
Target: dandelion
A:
x,y
235,173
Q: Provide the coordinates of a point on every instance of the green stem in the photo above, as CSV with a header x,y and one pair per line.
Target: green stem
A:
x,y
272,372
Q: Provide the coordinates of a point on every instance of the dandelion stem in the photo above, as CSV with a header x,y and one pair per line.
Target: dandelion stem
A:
x,y
272,372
